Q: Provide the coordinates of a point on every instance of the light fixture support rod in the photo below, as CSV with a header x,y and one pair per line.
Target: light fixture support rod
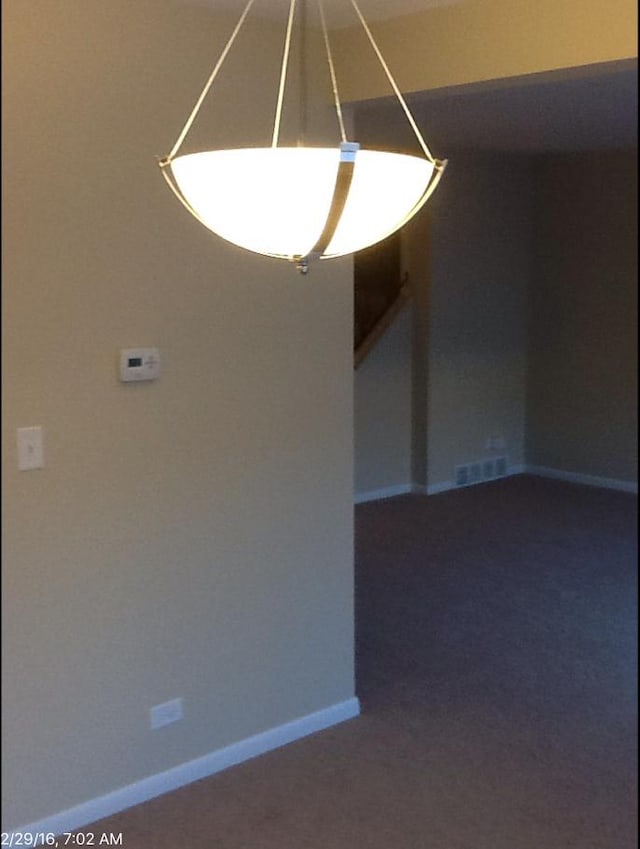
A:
x,y
209,82
332,71
393,83
303,110
283,74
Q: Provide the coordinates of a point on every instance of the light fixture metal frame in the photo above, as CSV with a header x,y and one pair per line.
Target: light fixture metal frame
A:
x,y
347,150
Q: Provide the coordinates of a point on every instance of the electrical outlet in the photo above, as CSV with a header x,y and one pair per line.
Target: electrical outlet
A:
x,y
166,713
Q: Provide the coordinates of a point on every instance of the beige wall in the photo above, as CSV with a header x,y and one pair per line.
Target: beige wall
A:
x,y
480,40
469,376
582,402
390,387
479,275
455,375
526,275
382,411
389,402
190,537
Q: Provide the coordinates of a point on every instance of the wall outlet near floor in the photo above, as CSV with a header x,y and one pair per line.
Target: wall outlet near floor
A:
x,y
166,713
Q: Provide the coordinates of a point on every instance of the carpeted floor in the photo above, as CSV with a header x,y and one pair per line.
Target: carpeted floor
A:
x,y
497,671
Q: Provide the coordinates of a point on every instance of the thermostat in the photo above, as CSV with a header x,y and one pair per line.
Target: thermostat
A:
x,y
139,364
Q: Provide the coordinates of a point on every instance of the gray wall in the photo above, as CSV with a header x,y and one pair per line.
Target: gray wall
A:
x,y
469,259
582,388
525,273
187,538
481,232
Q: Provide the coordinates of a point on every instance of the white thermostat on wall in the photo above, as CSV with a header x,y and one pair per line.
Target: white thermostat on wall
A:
x,y
139,364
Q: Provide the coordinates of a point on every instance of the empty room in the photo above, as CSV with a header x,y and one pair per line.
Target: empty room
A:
x,y
270,583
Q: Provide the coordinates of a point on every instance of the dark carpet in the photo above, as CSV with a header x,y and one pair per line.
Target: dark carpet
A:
x,y
497,671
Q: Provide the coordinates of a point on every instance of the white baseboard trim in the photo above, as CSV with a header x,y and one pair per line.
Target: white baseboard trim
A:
x,y
163,782
442,486
385,492
588,480
541,471
445,486
430,489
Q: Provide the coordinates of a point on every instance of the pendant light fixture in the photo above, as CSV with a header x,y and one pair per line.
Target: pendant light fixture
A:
x,y
302,203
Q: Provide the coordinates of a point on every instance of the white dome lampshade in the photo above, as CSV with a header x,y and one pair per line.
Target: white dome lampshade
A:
x,y
302,203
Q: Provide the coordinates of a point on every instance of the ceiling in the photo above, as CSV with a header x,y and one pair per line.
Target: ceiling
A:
x,y
587,109
338,12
